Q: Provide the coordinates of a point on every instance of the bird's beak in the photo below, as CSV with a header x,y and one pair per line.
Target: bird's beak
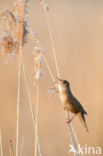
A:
x,y
60,80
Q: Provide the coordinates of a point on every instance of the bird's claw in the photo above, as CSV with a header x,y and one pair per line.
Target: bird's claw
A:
x,y
69,121
65,108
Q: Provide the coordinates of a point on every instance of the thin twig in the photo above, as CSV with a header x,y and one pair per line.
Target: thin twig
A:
x,y
67,114
31,107
52,42
18,105
76,137
58,73
22,143
1,151
37,105
19,74
71,134
11,148
49,69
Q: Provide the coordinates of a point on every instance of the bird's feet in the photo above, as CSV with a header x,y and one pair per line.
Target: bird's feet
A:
x,y
65,109
70,120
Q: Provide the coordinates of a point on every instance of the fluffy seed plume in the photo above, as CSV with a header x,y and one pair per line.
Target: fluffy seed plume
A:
x,y
53,91
11,22
38,53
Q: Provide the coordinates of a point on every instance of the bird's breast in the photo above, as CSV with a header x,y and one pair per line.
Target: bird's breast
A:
x,y
63,93
63,98
65,101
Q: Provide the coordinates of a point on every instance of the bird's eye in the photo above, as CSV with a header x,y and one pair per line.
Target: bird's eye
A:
x,y
66,83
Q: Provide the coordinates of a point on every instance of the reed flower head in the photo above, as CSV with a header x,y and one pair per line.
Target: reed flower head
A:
x,y
11,22
38,53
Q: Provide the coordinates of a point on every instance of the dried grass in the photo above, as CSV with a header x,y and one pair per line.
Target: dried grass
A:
x,y
14,30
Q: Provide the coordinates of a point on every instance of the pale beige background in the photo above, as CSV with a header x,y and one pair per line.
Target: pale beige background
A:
x,y
77,27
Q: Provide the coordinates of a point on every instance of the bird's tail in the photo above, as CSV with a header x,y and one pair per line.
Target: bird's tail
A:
x,y
82,118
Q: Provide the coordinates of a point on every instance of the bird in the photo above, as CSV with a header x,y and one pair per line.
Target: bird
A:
x,y
70,102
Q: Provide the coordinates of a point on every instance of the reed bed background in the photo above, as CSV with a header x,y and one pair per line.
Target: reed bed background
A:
x,y
77,28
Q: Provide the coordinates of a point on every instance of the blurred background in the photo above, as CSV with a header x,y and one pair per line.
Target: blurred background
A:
x,y
77,28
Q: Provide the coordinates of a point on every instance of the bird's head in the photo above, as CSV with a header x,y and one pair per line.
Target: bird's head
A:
x,y
63,83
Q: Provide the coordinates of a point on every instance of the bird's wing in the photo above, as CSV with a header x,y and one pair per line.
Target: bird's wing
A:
x,y
77,104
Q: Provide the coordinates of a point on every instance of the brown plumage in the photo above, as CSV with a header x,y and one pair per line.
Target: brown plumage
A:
x,y
70,102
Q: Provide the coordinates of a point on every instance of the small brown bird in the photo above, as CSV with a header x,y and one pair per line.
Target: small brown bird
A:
x,y
70,102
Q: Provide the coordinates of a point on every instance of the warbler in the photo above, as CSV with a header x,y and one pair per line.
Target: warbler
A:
x,y
70,102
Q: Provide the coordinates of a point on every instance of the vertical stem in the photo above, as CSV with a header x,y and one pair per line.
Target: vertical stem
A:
x,y
67,114
49,69
52,42
11,147
22,143
1,151
58,73
71,135
31,108
19,73
36,120
18,105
